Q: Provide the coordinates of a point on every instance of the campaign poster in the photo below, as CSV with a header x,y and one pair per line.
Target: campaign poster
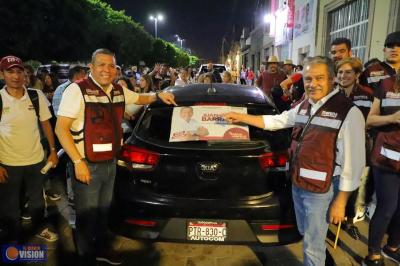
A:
x,y
303,18
196,123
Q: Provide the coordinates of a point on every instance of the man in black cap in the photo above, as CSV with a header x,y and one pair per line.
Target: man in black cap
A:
x,y
378,72
383,116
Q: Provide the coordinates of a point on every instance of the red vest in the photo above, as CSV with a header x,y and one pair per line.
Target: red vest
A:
x,y
102,131
313,148
362,97
377,75
386,151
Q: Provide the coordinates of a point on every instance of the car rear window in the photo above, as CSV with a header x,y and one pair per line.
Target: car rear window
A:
x,y
220,68
155,127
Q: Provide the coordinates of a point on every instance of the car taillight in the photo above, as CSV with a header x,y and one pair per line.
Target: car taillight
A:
x,y
140,158
145,223
273,160
275,227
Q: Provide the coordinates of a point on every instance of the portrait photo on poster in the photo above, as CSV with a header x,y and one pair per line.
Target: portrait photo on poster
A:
x,y
195,123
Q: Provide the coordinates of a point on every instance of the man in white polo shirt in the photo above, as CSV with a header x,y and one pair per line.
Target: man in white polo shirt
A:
x,y
89,129
21,153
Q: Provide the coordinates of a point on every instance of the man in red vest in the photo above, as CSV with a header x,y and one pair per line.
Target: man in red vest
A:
x,y
327,154
89,129
384,117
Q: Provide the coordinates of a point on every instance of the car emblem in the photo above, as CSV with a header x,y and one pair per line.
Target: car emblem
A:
x,y
211,90
209,167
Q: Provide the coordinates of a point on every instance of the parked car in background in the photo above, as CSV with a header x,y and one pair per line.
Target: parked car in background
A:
x,y
205,191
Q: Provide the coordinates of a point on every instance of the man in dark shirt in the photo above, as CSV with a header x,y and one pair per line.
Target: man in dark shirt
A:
x,y
216,75
340,49
270,77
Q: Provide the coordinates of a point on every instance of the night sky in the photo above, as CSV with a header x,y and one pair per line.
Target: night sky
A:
x,y
202,23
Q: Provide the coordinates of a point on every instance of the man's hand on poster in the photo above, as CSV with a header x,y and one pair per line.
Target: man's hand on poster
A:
x,y
232,117
202,131
186,136
167,98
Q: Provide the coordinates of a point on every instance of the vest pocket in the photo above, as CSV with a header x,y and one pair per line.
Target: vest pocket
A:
x,y
386,152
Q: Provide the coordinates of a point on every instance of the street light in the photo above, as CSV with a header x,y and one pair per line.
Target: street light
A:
x,y
179,39
156,19
268,18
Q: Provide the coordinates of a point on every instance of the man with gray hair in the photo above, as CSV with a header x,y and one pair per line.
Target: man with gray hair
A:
x,y
327,154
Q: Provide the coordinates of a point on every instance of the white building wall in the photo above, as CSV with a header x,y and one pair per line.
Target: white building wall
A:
x,y
312,39
378,25
304,44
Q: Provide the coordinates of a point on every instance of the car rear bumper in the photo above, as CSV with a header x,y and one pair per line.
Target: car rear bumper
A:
x,y
175,230
267,219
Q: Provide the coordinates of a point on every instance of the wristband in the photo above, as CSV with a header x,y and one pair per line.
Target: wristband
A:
x,y
157,95
53,149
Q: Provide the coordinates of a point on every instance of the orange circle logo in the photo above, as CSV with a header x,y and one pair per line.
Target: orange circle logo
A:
x,y
236,133
12,253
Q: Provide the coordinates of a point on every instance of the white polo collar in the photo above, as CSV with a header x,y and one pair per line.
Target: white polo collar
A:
x,y
324,99
11,98
110,87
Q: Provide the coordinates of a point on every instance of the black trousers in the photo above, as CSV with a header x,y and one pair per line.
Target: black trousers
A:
x,y
387,213
30,177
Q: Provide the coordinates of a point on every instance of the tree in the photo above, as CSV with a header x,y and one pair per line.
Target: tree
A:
x,y
70,30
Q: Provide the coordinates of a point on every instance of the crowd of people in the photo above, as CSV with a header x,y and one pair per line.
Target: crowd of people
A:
x,y
345,141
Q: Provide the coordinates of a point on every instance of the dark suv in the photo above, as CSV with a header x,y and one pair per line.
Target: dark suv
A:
x,y
207,190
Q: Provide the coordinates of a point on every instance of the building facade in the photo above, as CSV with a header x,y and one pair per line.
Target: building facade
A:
x,y
365,22
301,28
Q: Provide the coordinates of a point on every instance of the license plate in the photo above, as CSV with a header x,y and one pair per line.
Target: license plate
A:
x,y
206,231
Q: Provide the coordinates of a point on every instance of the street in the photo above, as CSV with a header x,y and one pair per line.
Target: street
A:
x,y
138,252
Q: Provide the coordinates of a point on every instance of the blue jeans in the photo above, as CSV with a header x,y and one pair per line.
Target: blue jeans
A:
x,y
92,204
312,221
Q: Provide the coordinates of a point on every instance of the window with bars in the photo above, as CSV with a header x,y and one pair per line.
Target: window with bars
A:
x,y
351,21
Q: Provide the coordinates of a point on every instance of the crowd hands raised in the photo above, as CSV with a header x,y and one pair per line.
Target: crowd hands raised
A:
x,y
352,109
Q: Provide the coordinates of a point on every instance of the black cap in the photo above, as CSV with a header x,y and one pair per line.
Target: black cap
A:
x,y
393,38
